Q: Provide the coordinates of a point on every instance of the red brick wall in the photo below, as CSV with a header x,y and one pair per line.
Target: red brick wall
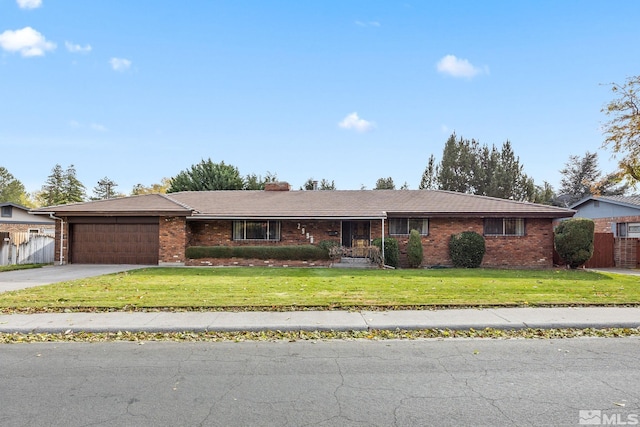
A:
x,y
604,225
535,249
173,240
219,233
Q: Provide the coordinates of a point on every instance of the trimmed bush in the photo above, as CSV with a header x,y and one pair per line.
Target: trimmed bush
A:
x,y
573,240
467,249
414,249
333,248
300,253
391,251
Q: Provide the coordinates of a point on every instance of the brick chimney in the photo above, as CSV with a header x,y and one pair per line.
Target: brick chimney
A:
x,y
277,186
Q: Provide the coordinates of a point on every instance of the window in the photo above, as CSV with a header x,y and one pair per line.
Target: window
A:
x,y
504,227
403,226
6,211
633,229
256,230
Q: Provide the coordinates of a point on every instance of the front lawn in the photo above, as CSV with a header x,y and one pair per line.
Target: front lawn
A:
x,y
293,288
19,267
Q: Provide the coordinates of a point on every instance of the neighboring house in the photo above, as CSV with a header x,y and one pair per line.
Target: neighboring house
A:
x,y
157,229
25,238
620,217
16,219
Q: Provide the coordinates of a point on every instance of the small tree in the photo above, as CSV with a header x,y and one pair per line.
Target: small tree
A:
x,y
391,251
573,240
467,249
414,249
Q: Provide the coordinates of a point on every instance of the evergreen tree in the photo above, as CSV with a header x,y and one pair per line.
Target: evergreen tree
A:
x,y
104,189
73,189
256,182
428,181
385,184
457,166
324,184
468,167
61,187
581,178
11,190
207,176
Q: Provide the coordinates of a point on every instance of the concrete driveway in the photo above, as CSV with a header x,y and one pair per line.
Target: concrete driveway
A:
x,y
21,279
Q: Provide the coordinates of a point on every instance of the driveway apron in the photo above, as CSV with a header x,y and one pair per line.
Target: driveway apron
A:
x,y
21,279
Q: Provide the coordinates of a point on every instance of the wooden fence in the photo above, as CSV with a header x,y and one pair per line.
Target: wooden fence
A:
x,y
603,251
25,248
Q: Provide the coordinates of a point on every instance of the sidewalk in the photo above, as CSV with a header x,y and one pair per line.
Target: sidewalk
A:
x,y
498,318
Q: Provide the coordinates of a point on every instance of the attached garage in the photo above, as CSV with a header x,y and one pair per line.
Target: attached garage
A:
x,y
114,240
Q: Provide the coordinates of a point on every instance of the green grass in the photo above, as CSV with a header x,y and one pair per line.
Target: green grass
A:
x,y
19,267
287,288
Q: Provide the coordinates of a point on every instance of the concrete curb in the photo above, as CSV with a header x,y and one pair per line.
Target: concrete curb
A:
x,y
462,319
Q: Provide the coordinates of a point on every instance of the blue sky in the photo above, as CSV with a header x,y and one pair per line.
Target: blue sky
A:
x,y
349,90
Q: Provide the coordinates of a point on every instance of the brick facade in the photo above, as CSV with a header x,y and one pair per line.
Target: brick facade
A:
x,y
606,225
219,233
534,250
173,240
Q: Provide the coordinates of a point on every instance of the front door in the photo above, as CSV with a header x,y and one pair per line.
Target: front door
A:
x,y
356,235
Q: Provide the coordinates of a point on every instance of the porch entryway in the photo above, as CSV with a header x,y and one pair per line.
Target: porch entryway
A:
x,y
356,238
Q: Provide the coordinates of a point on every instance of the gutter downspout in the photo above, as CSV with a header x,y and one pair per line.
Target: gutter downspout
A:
x,y
52,216
383,215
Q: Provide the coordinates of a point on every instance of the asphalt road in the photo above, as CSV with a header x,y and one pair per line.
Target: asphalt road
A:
x,y
327,383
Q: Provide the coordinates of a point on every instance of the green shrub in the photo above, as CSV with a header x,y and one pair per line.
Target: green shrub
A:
x,y
414,249
573,240
333,248
300,253
467,249
391,251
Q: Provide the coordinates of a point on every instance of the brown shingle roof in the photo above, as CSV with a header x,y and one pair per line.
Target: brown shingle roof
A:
x,y
143,205
310,204
357,204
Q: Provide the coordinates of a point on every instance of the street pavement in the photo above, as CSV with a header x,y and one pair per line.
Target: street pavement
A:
x,y
460,319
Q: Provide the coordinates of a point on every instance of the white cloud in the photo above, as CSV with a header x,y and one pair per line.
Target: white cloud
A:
x,y
120,64
93,126
353,122
29,4
98,127
76,48
27,41
458,67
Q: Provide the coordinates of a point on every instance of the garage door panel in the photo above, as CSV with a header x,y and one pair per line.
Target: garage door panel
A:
x,y
114,243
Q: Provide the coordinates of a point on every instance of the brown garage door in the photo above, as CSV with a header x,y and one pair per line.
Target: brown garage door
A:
x,y
120,242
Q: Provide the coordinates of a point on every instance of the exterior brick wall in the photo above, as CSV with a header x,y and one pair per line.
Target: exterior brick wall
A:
x,y
625,252
605,225
173,239
219,233
534,250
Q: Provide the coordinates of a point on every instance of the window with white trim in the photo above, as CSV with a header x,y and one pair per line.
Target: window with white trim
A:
x,y
633,229
256,230
403,226
504,227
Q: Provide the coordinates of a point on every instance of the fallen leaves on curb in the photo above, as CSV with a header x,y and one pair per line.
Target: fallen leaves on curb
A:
x,y
292,336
